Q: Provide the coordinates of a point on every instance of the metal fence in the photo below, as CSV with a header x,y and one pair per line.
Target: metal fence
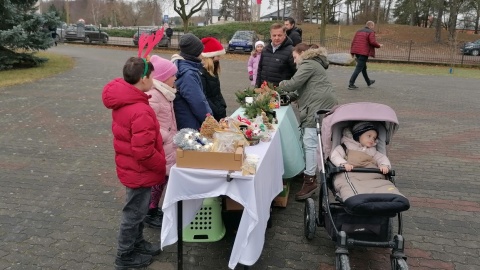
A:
x,y
407,52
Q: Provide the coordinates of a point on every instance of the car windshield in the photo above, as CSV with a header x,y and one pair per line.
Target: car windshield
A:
x,y
242,35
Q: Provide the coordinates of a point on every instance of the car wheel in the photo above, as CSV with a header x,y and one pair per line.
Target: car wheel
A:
x,y
475,52
87,39
105,40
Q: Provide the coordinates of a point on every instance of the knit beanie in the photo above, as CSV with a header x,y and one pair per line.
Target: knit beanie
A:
x,y
163,68
361,127
259,43
190,45
213,47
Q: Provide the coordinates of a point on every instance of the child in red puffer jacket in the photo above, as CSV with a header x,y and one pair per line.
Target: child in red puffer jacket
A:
x,y
139,157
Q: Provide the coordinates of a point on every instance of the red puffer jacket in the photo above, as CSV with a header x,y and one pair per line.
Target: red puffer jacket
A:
x,y
137,141
364,42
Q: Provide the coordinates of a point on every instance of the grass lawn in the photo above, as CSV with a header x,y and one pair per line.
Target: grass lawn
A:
x,y
437,70
55,65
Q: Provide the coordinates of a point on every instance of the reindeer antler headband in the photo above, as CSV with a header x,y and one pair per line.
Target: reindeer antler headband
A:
x,y
150,41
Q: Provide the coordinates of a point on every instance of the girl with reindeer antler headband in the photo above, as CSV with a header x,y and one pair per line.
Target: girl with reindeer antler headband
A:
x,y
139,154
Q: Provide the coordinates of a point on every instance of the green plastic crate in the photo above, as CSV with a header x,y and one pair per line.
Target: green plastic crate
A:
x,y
208,224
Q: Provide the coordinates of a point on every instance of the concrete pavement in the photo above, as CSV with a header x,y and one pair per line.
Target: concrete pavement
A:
x,y
61,199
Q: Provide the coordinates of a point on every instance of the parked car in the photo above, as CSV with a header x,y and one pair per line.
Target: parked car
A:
x,y
472,48
163,42
243,41
88,33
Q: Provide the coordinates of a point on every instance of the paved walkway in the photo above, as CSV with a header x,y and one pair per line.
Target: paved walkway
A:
x,y
60,198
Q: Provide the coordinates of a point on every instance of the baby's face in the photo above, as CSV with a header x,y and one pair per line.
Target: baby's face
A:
x,y
368,139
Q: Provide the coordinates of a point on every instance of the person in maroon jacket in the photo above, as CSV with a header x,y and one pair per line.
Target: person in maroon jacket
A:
x,y
363,46
139,157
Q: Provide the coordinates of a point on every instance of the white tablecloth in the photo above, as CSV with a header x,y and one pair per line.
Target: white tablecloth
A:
x,y
254,192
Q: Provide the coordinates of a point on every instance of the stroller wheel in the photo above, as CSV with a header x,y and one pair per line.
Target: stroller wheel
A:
x,y
342,262
399,264
309,219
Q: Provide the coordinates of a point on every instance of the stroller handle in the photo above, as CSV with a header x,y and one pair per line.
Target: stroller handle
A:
x,y
320,112
362,170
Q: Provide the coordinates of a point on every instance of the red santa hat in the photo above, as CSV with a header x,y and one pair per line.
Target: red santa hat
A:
x,y
212,47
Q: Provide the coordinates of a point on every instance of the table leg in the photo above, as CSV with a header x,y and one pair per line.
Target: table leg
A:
x,y
180,235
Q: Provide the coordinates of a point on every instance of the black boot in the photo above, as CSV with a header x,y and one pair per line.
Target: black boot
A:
x,y
154,218
132,260
145,247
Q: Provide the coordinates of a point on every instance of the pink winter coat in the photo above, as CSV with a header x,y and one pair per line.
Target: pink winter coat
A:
x,y
162,104
139,154
253,66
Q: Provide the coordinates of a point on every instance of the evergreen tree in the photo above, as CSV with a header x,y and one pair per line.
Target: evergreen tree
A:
x,y
23,32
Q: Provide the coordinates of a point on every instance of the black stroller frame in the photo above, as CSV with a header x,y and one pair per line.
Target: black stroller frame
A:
x,y
343,241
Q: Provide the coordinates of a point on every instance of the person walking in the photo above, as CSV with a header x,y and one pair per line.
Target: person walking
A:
x,y
363,46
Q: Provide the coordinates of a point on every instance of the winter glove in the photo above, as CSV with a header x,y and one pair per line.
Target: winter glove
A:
x,y
250,77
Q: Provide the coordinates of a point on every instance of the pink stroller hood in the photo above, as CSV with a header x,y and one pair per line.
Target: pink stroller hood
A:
x,y
358,111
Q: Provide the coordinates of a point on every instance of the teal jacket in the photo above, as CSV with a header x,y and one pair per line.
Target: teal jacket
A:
x,y
310,83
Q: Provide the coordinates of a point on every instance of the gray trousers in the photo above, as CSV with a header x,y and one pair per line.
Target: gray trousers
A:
x,y
133,214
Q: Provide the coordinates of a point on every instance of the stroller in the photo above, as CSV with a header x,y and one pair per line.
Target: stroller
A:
x,y
367,220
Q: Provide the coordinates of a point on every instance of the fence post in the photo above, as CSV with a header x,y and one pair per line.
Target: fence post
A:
x,y
409,50
463,54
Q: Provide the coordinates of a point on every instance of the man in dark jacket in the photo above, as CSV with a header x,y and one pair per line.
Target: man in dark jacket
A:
x,y
276,62
363,46
293,32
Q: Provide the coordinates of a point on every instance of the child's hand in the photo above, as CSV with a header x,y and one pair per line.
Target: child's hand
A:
x,y
348,167
384,169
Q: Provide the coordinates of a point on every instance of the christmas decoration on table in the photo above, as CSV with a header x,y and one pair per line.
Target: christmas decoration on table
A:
x,y
266,120
227,142
208,126
256,100
254,130
191,139
249,166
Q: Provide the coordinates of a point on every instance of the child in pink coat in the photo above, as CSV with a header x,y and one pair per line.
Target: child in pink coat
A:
x,y
162,95
252,65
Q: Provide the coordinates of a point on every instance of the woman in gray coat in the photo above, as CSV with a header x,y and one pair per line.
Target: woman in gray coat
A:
x,y
314,91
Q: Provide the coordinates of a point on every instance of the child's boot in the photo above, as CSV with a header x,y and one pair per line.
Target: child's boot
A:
x,y
154,218
132,260
145,247
308,188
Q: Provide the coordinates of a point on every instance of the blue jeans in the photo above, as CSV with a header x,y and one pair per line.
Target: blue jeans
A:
x,y
360,67
133,214
310,143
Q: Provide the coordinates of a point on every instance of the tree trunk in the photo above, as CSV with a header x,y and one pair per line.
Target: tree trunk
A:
x,y
477,19
438,23
323,26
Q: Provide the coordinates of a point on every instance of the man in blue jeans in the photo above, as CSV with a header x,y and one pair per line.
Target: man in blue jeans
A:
x,y
363,46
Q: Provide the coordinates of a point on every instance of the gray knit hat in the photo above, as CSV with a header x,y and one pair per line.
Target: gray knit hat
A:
x,y
359,128
190,45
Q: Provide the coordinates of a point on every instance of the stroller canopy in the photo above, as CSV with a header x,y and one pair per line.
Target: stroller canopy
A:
x,y
358,111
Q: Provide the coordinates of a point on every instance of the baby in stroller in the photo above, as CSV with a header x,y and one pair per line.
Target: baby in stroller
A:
x,y
357,150
359,174
355,189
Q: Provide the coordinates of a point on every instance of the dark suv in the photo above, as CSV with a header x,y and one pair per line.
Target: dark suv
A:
x,y
162,43
87,33
472,48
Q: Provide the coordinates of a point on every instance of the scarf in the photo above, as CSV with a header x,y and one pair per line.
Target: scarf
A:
x,y
167,91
